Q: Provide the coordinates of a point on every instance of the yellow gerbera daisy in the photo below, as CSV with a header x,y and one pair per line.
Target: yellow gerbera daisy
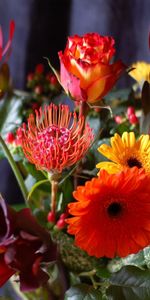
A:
x,y
125,151
141,71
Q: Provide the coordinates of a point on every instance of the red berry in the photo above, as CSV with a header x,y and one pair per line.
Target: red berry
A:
x,y
118,119
63,216
30,77
39,68
48,76
51,217
97,109
38,90
61,223
53,80
130,111
19,134
10,137
35,106
133,119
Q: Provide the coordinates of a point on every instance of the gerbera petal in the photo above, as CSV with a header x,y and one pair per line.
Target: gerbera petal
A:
x,y
144,142
109,166
128,139
107,151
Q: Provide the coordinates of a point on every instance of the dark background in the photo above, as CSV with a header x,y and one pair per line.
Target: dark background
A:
x,y
42,27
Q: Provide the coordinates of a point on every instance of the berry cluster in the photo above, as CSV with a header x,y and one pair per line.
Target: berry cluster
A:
x,y
130,116
42,83
59,223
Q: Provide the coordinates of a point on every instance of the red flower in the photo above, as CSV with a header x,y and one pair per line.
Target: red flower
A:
x,y
24,245
111,215
55,138
5,271
86,73
11,33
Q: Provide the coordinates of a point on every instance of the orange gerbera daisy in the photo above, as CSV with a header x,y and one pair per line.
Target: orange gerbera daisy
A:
x,y
112,215
125,151
55,139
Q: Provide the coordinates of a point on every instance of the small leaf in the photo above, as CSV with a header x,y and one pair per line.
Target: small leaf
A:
x,y
34,187
83,292
19,206
31,169
10,113
54,71
103,272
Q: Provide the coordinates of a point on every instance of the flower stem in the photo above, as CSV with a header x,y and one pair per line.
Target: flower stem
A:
x,y
83,110
54,185
15,169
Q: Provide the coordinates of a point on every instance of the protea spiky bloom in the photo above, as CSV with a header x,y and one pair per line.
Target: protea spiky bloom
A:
x,y
55,138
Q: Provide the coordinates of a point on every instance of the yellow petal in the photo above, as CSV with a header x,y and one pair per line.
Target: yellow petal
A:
x,y
132,139
110,167
144,142
107,151
128,139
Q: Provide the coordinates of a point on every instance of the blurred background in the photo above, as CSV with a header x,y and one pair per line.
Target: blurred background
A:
x,y
42,27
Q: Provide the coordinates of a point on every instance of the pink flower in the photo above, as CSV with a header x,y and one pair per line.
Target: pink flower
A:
x,y
3,50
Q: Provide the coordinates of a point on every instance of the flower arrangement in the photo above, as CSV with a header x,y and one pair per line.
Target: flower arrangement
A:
x,y
83,231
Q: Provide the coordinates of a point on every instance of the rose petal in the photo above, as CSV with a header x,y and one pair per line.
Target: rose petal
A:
x,y
71,83
5,271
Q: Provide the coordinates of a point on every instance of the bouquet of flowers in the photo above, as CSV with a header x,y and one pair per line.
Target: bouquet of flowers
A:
x,y
83,167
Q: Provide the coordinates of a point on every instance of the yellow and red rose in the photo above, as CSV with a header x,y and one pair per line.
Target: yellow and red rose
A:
x,y
86,73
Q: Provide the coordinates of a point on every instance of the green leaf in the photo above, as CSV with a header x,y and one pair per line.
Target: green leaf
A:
x,y
121,94
144,123
130,283
83,292
67,189
31,169
137,260
121,128
53,69
102,272
146,253
10,113
37,184
19,206
94,123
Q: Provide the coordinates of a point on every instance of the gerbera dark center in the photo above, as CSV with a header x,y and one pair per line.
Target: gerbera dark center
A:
x,y
114,209
134,162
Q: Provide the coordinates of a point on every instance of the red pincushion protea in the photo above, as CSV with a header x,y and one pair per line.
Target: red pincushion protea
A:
x,y
55,138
